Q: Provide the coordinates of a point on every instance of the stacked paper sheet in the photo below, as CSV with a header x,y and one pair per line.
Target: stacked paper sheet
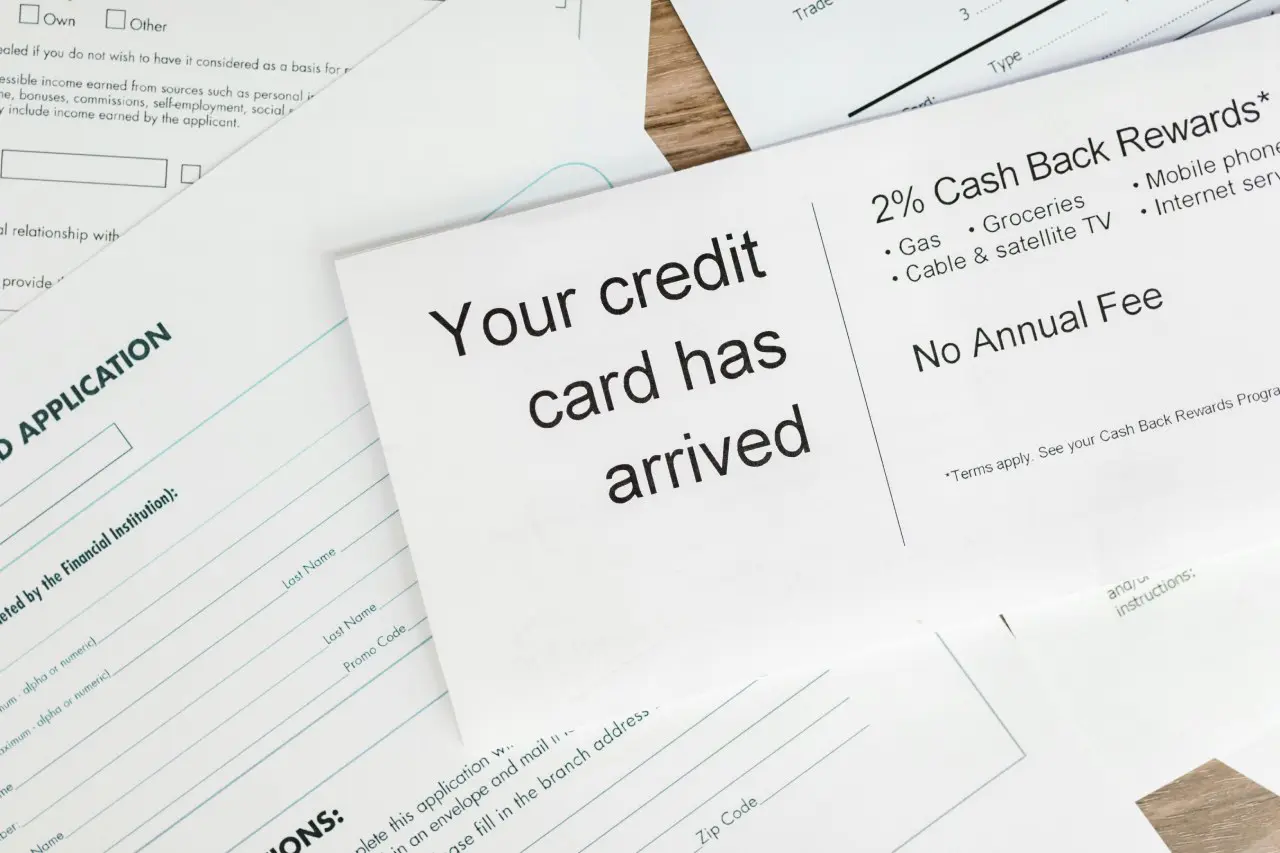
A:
x,y
720,539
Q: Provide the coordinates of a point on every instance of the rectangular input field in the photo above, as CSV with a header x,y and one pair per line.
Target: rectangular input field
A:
x,y
70,168
26,503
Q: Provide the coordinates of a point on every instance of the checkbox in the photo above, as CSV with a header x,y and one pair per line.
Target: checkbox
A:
x,y
28,13
189,173
116,19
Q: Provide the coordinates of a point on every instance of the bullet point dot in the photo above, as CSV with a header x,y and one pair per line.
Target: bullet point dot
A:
x,y
970,229
1135,185
888,252
1144,210
895,278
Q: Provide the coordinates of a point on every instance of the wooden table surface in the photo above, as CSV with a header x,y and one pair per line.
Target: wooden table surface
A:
x,y
1212,809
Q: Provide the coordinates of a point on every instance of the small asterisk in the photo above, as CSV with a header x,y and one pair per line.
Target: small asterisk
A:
x,y
1264,96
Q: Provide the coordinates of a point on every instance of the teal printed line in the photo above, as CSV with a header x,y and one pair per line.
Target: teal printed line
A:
x,y
304,706
803,772
260,653
268,648
132,704
370,530
539,179
345,591
208,648
192,746
179,440
966,799
253,573
398,594
637,767
297,735
148,735
189,534
331,776
1022,754
258,527
982,696
735,779
682,776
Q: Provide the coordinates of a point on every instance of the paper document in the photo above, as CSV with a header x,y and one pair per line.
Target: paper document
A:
x,y
206,602
940,746
110,109
789,69
751,414
615,33
1160,671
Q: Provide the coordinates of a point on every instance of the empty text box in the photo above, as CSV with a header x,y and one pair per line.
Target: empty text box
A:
x,y
23,505
66,167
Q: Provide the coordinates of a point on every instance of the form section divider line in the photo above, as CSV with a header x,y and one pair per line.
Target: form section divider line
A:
x,y
297,735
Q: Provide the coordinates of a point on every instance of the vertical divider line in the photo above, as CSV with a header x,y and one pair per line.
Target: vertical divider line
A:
x,y
858,371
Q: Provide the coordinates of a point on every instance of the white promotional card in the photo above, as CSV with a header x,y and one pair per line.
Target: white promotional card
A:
x,y
1161,671
785,405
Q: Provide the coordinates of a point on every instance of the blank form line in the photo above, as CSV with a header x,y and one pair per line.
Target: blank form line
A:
x,y
224,551
255,572
134,703
277,750
288,633
356,583
392,599
797,778
737,778
237,627
966,799
224,764
241,668
331,776
1071,31
221,409
187,536
370,530
637,767
1150,33
192,746
682,776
